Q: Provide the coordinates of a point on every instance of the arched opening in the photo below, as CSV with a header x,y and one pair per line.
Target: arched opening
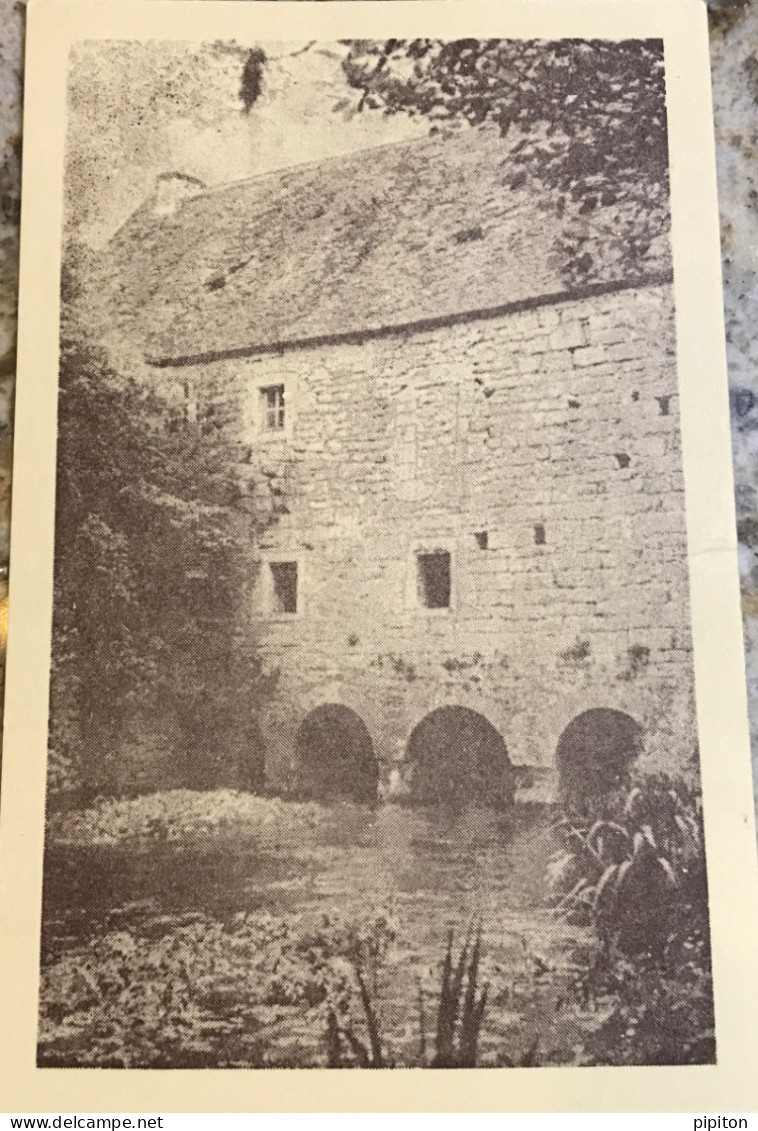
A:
x,y
459,758
595,753
335,755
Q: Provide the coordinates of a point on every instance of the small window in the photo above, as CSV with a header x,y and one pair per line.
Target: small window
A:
x,y
283,587
272,408
433,579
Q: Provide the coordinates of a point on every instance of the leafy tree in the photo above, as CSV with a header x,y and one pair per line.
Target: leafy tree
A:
x,y
151,519
584,120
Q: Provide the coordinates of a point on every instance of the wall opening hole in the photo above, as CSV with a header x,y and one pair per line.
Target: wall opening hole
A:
x,y
622,459
467,235
595,753
573,402
482,539
635,395
433,579
283,587
334,755
458,758
664,404
539,535
272,408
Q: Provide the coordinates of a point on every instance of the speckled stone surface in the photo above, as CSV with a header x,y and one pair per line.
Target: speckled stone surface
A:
x,y
734,36
734,56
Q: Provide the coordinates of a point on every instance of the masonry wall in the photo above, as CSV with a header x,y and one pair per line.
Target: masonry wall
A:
x,y
554,432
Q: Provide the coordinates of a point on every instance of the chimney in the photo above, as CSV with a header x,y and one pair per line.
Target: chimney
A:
x,y
170,190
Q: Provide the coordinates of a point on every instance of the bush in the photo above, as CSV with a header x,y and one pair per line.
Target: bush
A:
x,y
636,874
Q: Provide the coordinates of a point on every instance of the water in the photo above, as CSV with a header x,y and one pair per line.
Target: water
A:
x,y
439,864
431,870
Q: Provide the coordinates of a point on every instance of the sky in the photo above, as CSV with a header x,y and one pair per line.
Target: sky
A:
x,y
138,109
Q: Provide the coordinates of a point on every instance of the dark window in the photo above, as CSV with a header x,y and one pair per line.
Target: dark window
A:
x,y
272,408
283,587
433,579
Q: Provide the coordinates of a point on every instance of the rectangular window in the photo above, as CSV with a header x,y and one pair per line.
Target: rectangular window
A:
x,y
283,587
272,408
433,579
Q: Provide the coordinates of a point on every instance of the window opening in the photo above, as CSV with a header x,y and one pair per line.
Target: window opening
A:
x,y
482,539
272,408
433,579
283,587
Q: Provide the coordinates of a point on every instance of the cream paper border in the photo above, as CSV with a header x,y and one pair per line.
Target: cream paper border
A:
x,y
732,1085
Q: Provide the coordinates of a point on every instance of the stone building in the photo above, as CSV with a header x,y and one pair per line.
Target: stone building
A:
x,y
478,571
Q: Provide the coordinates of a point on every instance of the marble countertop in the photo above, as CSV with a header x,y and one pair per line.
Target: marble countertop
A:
x,y
734,58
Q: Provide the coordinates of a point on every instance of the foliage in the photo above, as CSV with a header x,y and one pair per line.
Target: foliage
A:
x,y
364,951
188,996
636,874
129,999
157,952
251,83
184,818
191,991
148,568
637,871
658,1009
461,1007
587,111
583,118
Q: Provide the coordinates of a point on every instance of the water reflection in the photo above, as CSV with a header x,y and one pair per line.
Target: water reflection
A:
x,y
438,865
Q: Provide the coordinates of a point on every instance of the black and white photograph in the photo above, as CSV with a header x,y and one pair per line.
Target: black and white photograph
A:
x,y
372,730
375,681
376,693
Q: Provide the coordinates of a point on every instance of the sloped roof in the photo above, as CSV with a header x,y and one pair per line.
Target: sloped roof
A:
x,y
389,236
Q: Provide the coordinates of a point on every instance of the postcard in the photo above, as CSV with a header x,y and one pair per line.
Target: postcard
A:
x,y
375,685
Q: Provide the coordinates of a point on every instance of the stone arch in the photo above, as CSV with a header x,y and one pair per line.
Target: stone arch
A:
x,y
596,751
458,757
334,755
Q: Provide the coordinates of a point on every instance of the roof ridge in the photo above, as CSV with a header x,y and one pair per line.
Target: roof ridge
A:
x,y
210,190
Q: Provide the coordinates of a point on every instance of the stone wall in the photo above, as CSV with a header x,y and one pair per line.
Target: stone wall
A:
x,y
541,450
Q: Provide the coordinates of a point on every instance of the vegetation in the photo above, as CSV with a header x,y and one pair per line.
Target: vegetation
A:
x,y
584,119
636,874
227,929
587,111
460,1012
460,1009
150,521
